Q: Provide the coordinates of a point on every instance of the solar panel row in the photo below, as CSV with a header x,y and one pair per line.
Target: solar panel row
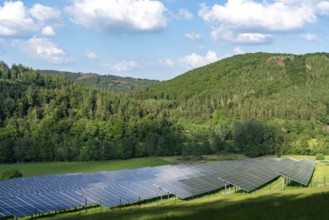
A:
x,y
300,172
29,196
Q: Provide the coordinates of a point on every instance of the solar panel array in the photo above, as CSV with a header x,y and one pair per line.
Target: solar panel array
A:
x,y
300,172
29,196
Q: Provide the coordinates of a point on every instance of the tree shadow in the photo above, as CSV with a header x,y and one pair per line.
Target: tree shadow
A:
x,y
271,206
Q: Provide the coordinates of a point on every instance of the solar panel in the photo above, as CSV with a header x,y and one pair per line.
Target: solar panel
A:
x,y
28,196
300,172
250,174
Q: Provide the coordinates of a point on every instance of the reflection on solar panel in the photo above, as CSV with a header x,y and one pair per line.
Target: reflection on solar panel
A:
x,y
29,196
301,172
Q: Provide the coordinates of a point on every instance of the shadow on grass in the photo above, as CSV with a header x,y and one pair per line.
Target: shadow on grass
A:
x,y
274,206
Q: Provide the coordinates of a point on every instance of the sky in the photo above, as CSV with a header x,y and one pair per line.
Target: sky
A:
x,y
155,39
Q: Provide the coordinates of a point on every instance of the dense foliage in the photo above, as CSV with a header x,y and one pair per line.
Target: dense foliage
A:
x,y
44,117
9,174
254,104
282,99
319,156
105,82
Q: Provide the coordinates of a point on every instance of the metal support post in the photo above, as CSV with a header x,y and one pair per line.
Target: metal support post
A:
x,y
86,203
175,197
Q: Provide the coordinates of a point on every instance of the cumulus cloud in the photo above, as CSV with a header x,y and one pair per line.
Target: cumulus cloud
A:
x,y
243,38
90,54
14,20
310,37
253,38
195,60
44,13
323,8
41,48
124,65
18,21
120,16
249,14
251,21
196,37
185,14
48,31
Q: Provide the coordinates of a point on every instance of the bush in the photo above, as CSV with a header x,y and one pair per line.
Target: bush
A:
x,y
319,157
9,174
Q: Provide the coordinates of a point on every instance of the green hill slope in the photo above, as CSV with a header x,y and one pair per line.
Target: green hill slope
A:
x,y
286,92
254,104
262,85
47,117
105,82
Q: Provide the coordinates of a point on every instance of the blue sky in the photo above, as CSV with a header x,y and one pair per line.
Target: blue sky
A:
x,y
155,39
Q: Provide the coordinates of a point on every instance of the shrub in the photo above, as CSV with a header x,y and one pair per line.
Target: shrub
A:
x,y
9,174
319,157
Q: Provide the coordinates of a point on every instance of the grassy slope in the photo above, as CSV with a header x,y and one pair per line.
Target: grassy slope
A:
x,y
35,169
290,204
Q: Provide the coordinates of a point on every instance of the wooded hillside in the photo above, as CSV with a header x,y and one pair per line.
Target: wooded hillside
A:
x,y
286,93
45,117
254,104
110,83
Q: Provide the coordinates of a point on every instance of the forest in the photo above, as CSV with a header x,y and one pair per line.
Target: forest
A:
x,y
254,104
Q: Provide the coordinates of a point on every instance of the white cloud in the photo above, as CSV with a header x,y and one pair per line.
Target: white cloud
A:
x,y
44,13
40,48
310,37
185,14
222,34
48,31
243,38
196,37
124,65
18,21
120,16
238,50
252,15
194,60
2,50
167,62
90,54
323,8
253,38
14,20
255,21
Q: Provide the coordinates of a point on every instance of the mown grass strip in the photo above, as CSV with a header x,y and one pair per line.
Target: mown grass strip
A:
x,y
36,169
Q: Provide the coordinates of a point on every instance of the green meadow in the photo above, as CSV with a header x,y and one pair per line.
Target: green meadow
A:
x,y
303,203
37,169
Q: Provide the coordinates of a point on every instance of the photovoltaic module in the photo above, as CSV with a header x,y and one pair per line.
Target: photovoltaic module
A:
x,y
29,196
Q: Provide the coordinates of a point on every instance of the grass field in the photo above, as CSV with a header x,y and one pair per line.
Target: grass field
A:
x,y
36,169
268,202
305,203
